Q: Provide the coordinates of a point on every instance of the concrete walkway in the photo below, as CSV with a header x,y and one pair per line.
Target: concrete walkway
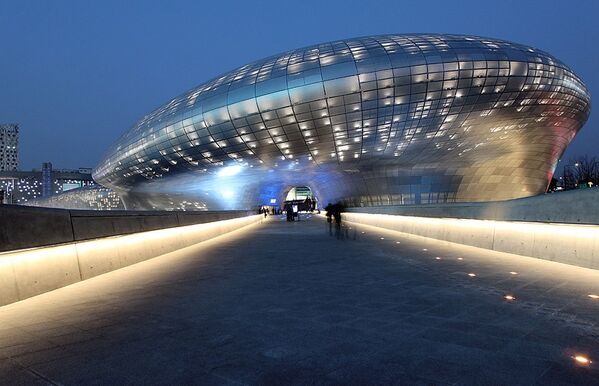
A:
x,y
285,303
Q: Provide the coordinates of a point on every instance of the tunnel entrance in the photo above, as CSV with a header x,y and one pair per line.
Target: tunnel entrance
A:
x,y
300,198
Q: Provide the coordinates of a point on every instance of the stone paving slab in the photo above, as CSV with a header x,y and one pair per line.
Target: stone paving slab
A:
x,y
288,303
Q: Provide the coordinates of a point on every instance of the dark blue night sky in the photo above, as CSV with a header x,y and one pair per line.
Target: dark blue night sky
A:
x,y
76,74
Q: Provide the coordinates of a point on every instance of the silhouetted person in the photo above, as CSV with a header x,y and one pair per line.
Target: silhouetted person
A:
x,y
309,204
336,211
289,213
329,214
337,217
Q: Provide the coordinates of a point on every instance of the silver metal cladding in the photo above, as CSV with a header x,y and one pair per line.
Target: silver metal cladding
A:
x,y
381,120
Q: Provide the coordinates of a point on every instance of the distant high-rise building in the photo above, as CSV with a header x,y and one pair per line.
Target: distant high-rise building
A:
x,y
47,179
9,147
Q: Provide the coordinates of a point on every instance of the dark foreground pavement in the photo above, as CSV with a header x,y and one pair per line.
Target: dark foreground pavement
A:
x,y
285,303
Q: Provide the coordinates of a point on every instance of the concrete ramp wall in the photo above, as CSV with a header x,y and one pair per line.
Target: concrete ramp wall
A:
x,y
30,272
26,227
573,244
571,207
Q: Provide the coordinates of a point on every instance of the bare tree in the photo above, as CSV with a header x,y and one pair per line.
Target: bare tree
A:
x,y
581,171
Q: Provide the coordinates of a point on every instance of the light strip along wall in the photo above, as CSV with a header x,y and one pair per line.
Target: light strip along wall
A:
x,y
31,272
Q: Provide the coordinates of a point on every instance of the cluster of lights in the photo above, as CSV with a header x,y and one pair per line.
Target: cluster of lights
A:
x,y
92,196
21,189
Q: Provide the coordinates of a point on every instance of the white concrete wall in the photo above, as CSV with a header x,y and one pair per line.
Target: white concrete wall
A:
x,y
30,272
573,244
571,207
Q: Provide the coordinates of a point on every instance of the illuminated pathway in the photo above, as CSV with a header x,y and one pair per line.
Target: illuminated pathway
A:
x,y
281,303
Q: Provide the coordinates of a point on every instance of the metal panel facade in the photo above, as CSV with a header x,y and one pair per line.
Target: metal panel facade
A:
x,y
381,120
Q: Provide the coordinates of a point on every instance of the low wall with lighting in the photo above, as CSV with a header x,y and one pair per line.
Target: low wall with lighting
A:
x,y
30,272
26,227
573,244
570,207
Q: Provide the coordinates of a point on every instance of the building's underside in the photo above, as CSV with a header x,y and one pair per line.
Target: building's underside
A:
x,y
382,120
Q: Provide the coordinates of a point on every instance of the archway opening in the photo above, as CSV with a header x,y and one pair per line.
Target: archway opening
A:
x,y
301,198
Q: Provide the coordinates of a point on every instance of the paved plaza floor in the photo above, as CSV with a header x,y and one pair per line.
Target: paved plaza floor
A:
x,y
287,303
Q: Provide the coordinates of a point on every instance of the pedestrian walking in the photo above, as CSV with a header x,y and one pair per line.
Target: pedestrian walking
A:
x,y
329,215
337,217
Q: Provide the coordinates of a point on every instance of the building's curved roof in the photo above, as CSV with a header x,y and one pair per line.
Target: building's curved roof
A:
x,y
347,101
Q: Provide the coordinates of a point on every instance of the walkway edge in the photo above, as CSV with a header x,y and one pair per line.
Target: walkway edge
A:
x,y
572,244
30,272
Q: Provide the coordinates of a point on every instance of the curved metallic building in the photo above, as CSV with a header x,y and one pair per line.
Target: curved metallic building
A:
x,y
380,120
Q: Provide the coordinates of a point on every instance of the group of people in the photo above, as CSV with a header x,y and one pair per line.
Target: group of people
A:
x,y
292,212
333,214
266,211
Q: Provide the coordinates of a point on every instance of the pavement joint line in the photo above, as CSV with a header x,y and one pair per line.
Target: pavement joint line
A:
x,y
33,372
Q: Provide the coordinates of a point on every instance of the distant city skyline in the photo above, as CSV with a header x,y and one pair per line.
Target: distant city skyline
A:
x,y
79,75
